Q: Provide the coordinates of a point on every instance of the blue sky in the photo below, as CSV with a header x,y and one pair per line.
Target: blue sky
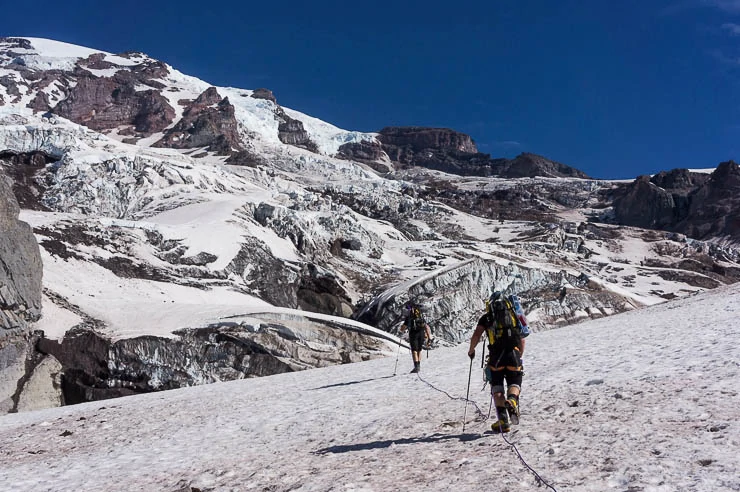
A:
x,y
614,88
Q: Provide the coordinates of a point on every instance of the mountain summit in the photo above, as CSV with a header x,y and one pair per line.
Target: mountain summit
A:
x,y
142,101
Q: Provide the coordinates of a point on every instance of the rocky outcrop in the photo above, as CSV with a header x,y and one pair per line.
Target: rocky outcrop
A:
x,y
264,94
694,204
42,386
679,180
96,368
22,168
103,103
208,122
14,351
21,270
321,291
11,88
714,208
403,143
527,165
291,132
20,299
453,152
365,151
646,205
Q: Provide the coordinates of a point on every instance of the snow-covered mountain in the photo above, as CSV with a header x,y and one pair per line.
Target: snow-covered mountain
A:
x,y
192,234
644,400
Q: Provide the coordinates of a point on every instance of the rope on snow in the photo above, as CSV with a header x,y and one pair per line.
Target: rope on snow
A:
x,y
537,476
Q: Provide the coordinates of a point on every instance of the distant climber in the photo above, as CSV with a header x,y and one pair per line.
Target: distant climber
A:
x,y
419,331
561,296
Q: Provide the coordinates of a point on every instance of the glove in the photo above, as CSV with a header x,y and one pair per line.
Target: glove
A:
x,y
471,354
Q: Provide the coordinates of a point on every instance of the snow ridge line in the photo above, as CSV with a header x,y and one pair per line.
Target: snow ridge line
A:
x,y
537,476
333,321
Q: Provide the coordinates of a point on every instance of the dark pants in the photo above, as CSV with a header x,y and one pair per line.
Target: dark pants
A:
x,y
416,340
504,365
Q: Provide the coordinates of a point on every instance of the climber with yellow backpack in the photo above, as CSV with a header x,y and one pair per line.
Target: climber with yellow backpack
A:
x,y
506,328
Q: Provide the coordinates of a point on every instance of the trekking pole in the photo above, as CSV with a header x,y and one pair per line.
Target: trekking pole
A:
x,y
467,394
483,356
397,354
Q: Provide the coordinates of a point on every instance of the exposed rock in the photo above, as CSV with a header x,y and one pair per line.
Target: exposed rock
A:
x,y
679,180
43,387
14,351
530,165
20,275
264,94
23,168
453,152
320,291
697,205
291,132
96,61
646,205
11,87
209,97
95,368
40,102
517,202
103,103
20,296
369,152
12,43
245,158
714,208
403,143
209,122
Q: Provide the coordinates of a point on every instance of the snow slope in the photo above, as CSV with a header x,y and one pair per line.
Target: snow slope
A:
x,y
645,400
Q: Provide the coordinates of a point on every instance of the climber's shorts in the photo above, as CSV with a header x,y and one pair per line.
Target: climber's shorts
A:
x,y
416,340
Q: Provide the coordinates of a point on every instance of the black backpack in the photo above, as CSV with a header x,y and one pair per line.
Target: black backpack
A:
x,y
415,320
504,328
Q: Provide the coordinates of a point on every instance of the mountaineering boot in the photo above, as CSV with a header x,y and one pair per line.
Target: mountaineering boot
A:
x,y
417,367
501,426
512,406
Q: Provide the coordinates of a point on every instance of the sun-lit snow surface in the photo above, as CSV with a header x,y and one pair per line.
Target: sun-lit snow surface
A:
x,y
645,400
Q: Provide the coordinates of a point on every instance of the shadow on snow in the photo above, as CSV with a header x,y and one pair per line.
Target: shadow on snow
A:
x,y
349,383
411,440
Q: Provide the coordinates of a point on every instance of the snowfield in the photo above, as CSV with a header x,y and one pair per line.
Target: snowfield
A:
x,y
645,400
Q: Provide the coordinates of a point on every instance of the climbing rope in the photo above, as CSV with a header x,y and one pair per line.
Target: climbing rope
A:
x,y
540,480
461,398
537,476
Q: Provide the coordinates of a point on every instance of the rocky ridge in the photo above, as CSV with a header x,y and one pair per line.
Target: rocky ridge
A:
x,y
702,206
